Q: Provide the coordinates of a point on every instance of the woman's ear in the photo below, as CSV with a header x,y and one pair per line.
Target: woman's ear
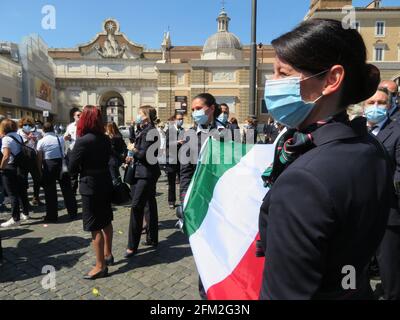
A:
x,y
334,80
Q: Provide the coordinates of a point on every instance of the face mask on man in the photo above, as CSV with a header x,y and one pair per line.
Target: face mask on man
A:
x,y
284,101
376,113
200,117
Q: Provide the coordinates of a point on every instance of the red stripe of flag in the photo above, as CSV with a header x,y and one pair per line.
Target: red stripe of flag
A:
x,y
244,283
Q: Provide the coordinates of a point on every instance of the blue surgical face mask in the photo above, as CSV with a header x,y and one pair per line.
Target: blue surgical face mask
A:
x,y
376,113
284,101
179,123
200,117
223,118
139,119
27,128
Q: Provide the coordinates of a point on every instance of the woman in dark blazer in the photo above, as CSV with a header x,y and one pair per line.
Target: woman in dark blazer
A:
x,y
119,150
90,159
146,172
331,184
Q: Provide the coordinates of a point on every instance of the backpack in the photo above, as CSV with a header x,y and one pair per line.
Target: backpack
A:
x,y
26,159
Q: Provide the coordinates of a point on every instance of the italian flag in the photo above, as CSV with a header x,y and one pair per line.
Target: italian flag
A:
x,y
221,213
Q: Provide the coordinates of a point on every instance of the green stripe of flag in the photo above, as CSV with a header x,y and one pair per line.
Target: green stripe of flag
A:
x,y
217,158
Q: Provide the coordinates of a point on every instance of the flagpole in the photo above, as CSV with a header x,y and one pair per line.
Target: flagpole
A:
x,y
253,61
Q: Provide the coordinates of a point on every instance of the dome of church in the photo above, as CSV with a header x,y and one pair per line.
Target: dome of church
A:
x,y
222,40
222,45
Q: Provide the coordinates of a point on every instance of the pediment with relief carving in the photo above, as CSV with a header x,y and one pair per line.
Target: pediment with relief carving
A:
x,y
111,44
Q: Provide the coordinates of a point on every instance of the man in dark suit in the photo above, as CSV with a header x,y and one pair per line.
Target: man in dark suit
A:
x,y
174,140
388,133
394,97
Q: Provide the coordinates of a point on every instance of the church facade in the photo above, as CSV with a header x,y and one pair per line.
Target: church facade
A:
x,y
119,75
110,71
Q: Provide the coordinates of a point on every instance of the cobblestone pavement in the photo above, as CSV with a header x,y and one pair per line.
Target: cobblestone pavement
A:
x,y
167,273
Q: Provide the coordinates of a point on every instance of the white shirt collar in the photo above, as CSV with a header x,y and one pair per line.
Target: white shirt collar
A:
x,y
378,126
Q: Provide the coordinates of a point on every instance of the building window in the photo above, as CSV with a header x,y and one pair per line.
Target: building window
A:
x,y
180,78
379,54
380,29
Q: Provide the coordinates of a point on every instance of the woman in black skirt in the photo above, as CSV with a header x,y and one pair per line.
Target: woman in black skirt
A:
x,y
90,159
146,172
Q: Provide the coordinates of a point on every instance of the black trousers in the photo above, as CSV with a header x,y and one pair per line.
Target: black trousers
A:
x,y
36,187
51,174
172,172
143,192
389,263
14,182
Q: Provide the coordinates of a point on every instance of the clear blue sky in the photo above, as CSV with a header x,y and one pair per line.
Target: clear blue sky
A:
x,y
144,21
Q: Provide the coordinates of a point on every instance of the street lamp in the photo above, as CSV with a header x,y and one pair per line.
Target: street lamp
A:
x,y
253,60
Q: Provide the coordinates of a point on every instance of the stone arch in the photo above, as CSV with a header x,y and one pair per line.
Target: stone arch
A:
x,y
112,106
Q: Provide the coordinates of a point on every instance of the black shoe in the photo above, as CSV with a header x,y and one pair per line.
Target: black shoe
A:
x,y
149,243
73,217
128,255
109,261
101,274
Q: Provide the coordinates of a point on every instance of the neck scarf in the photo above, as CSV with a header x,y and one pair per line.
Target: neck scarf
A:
x,y
292,145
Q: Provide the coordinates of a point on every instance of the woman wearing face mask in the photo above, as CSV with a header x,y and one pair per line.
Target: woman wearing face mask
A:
x,y
331,183
222,120
27,130
250,132
144,180
205,111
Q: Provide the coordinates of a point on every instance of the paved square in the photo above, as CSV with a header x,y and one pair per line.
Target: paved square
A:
x,y
163,274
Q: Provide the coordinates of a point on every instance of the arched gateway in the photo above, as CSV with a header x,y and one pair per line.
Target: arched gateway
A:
x,y
113,107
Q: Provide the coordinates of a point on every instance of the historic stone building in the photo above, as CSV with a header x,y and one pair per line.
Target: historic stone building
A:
x,y
110,71
220,67
119,75
379,26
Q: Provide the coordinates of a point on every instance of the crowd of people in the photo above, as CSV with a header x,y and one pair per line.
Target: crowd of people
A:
x,y
334,186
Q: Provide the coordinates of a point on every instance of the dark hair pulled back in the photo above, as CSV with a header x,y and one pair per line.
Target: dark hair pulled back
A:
x,y
209,100
317,45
